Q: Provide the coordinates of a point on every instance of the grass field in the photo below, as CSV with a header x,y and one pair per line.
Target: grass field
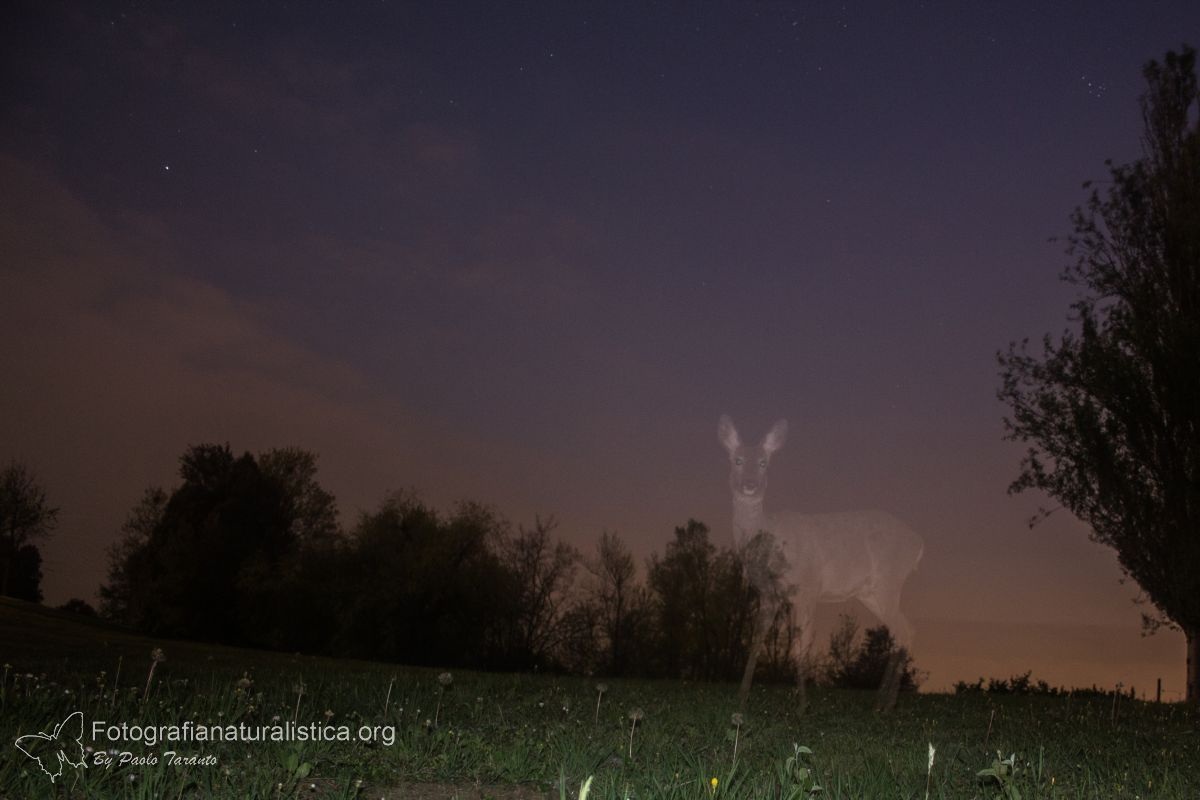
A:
x,y
510,736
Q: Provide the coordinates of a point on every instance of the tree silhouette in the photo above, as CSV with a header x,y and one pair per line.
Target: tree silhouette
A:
x,y
703,607
540,572
422,589
208,566
119,592
25,517
1111,412
865,666
620,604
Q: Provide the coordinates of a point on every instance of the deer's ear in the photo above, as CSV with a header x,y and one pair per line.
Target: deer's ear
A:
x,y
775,437
728,434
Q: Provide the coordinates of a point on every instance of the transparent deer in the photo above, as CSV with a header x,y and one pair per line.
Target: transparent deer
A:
x,y
817,558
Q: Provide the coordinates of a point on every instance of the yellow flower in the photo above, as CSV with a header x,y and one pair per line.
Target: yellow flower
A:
x,y
713,783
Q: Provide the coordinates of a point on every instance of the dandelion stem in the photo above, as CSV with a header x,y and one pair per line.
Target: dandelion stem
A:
x,y
149,678
299,693
117,679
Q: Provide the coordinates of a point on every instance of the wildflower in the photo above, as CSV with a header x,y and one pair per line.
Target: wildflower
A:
x,y
635,715
713,783
601,688
299,688
156,657
445,679
737,721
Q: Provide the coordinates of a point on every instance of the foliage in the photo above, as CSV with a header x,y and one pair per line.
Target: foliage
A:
x,y
25,517
703,607
116,594
1024,684
206,564
619,604
539,573
245,551
78,606
416,587
311,509
863,667
1111,411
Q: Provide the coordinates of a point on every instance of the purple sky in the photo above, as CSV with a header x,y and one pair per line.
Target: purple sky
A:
x,y
528,254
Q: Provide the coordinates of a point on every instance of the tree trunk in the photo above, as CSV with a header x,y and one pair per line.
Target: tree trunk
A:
x,y
1193,665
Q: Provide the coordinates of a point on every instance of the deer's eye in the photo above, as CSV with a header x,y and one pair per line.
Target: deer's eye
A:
x,y
763,463
738,461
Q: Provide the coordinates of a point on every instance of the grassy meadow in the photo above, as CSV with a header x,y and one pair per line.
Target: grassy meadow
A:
x,y
476,735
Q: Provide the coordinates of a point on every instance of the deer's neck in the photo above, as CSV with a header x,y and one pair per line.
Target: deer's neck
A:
x,y
748,518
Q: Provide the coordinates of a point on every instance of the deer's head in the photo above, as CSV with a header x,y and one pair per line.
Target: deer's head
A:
x,y
748,463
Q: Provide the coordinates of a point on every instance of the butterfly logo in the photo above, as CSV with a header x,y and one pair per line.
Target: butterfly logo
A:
x,y
53,750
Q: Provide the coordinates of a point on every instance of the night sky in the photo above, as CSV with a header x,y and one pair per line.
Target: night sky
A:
x,y
527,254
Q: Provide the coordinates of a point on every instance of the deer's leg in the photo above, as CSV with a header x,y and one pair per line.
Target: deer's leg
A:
x,y
901,629
807,634
762,624
892,677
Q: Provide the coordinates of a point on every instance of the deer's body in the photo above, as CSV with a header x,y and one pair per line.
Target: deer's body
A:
x,y
819,558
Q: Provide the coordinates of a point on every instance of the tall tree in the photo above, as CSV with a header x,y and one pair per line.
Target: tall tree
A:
x,y
541,571
1111,411
312,510
420,588
25,517
118,594
210,566
703,606
619,601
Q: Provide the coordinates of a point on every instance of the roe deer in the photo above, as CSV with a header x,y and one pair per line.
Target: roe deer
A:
x,y
817,558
